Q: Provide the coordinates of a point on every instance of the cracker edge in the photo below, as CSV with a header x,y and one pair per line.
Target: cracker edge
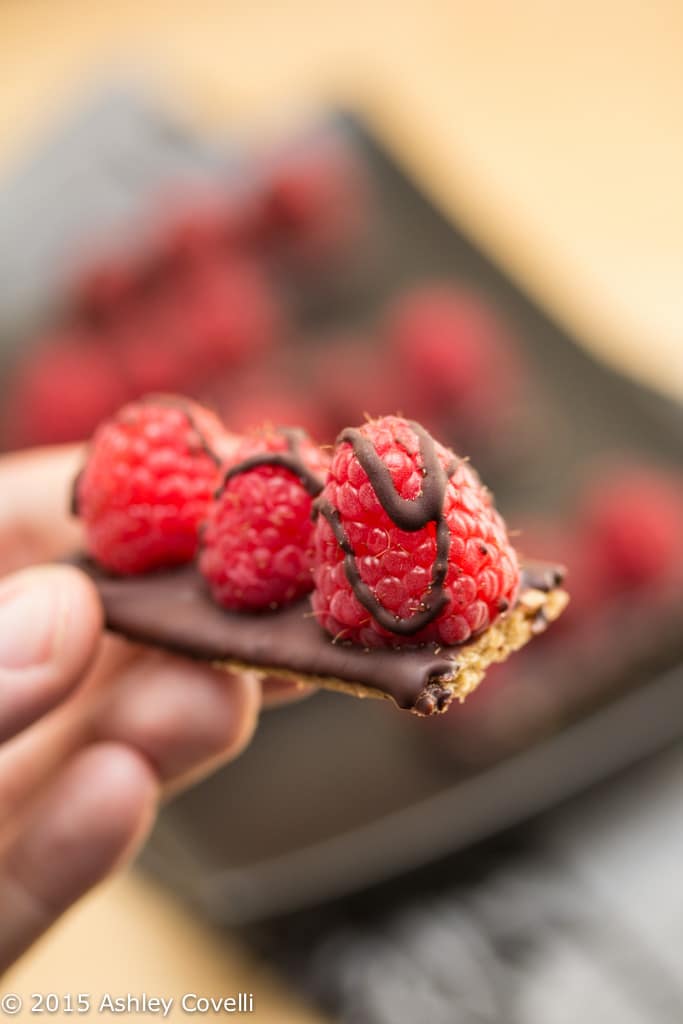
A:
x,y
534,609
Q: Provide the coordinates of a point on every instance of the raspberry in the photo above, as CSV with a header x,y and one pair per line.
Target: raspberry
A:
x,y
205,224
104,286
631,521
254,399
150,361
452,348
315,201
351,379
256,548
147,483
231,314
189,231
445,515
61,390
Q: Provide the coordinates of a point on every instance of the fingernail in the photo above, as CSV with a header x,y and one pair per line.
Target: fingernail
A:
x,y
29,620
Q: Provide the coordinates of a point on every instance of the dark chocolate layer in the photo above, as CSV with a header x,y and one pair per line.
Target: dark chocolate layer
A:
x,y
173,610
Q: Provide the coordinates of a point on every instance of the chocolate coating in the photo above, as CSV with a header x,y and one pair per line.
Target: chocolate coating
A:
x,y
173,610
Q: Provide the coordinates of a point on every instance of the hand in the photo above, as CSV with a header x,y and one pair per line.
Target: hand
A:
x,y
94,731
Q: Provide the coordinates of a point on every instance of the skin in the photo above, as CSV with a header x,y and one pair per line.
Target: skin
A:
x,y
94,732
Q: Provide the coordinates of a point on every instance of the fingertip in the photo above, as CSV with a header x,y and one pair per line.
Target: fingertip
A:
x,y
185,717
34,520
83,615
50,625
245,690
279,690
93,817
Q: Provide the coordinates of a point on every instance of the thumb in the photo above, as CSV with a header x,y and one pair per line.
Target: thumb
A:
x,y
50,624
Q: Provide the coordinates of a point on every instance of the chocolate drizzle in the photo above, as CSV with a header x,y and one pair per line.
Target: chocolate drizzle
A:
x,y
292,460
409,514
542,576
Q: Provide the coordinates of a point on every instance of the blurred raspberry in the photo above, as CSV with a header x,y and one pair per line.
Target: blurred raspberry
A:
x,y
397,565
351,380
559,541
60,390
194,228
151,349
256,548
316,201
147,483
230,313
631,521
105,285
454,356
263,397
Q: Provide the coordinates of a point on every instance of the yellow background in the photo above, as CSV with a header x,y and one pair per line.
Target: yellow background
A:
x,y
552,130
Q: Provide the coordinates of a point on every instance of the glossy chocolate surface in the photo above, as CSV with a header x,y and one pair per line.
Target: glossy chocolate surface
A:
x,y
174,610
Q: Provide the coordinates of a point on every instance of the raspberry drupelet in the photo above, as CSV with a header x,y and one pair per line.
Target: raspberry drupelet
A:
x,y
147,483
256,546
408,546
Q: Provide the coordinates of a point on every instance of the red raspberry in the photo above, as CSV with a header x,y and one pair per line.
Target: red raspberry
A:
x,y
230,314
256,548
61,390
207,223
147,483
631,521
104,285
352,380
396,564
455,355
153,353
252,400
315,201
190,231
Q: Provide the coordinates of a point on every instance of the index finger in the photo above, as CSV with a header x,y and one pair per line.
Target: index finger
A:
x,y
35,489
